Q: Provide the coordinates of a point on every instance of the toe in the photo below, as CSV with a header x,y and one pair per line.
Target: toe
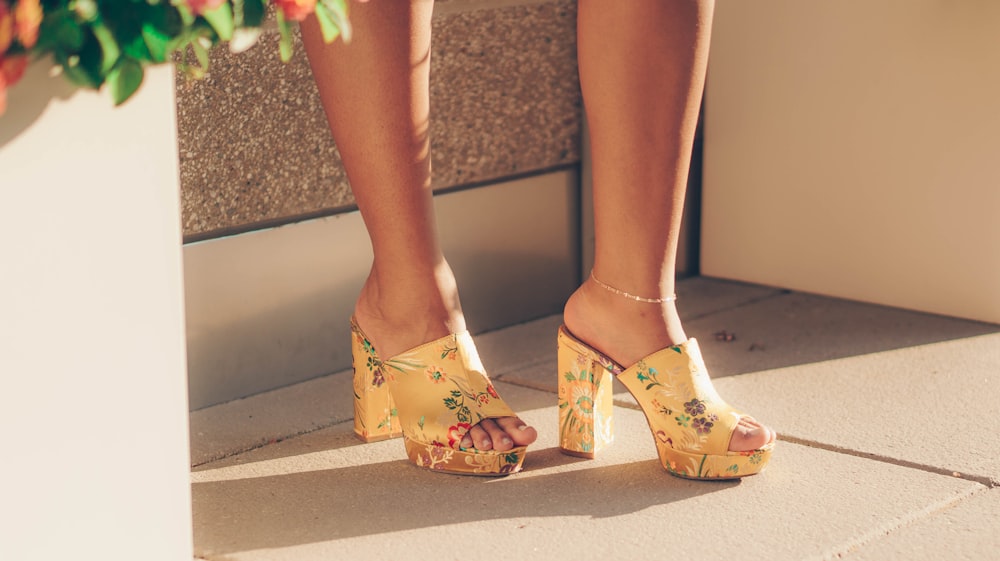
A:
x,y
749,435
519,432
501,442
480,438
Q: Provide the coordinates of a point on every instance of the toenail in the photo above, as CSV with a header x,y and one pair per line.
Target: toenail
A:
x,y
485,444
506,440
522,427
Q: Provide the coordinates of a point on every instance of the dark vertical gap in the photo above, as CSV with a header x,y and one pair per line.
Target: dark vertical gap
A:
x,y
691,221
692,214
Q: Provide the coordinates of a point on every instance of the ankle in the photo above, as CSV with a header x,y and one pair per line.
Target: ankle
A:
x,y
405,313
625,330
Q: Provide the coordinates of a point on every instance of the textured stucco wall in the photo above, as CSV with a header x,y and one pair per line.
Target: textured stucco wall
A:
x,y
254,146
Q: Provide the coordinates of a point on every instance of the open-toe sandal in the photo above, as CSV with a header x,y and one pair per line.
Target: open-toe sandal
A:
x,y
431,395
691,424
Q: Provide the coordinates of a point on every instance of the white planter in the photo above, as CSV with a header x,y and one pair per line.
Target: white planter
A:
x,y
94,407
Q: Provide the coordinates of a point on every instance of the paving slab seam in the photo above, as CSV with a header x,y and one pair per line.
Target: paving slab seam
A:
x,y
986,481
523,383
884,530
275,440
777,293
264,393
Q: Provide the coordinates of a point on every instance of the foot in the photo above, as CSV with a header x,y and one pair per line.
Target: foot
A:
x,y
626,331
396,325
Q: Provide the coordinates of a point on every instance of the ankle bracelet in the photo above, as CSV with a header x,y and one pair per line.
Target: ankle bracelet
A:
x,y
670,298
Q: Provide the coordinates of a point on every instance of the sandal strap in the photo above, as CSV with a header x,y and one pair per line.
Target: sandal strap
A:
x,y
441,390
681,403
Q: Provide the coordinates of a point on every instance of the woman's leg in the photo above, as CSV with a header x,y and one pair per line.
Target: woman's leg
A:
x,y
642,71
376,95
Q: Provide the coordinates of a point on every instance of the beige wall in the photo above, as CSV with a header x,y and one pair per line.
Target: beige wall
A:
x,y
851,149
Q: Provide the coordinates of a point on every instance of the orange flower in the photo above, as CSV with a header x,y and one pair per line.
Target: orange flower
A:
x,y
6,27
296,10
3,95
201,6
27,18
11,70
13,67
436,374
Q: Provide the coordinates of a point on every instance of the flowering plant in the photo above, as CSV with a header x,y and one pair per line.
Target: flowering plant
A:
x,y
98,42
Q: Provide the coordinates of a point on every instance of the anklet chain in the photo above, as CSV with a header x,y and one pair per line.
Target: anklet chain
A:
x,y
670,298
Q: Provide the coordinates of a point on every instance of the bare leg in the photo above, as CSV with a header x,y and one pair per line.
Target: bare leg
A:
x,y
376,95
642,70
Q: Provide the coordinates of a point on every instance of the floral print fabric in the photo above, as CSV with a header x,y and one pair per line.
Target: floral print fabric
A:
x,y
440,391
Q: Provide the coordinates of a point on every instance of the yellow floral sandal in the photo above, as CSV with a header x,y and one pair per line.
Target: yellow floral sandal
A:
x,y
431,395
691,424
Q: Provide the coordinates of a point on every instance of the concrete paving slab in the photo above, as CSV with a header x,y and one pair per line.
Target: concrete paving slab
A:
x,y
966,531
326,496
240,425
520,347
702,296
934,405
797,328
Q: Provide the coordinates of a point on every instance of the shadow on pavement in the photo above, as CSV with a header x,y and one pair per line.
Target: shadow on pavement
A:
x,y
331,504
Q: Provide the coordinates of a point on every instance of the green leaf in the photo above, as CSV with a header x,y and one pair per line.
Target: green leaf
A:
x,y
136,48
162,31
110,50
221,20
285,45
187,16
84,66
338,14
237,13
124,79
157,42
74,71
327,26
253,13
60,30
200,52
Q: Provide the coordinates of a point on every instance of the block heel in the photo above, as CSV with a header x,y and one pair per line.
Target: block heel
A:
x,y
375,415
586,422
